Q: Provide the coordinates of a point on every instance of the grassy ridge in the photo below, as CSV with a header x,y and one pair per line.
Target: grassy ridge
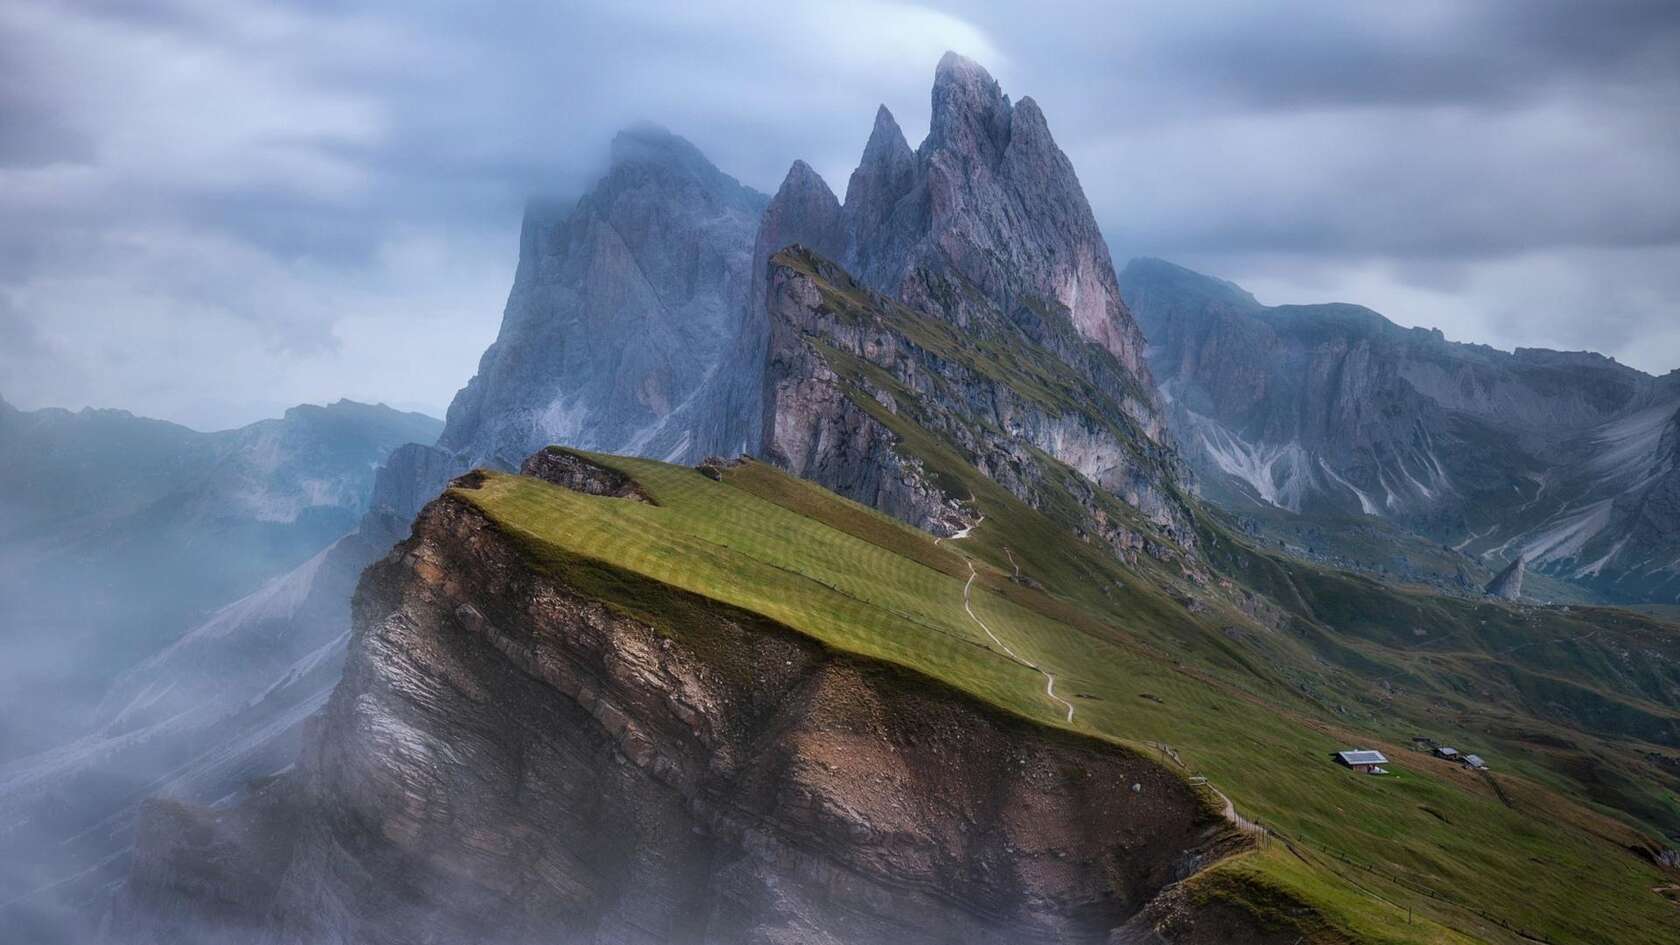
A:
x,y
1580,699
1140,669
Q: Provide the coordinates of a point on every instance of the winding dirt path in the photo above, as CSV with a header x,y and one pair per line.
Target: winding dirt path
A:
x,y
1049,677
968,588
1242,823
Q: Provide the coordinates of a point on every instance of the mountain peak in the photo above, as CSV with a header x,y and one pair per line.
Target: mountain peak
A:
x,y
885,174
804,211
645,154
651,263
956,69
886,140
802,176
1028,127
969,107
1147,277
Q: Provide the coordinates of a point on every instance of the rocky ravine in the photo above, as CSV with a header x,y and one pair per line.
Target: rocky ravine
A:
x,y
506,761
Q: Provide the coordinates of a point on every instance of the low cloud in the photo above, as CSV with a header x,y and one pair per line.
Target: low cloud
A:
x,y
216,208
1569,299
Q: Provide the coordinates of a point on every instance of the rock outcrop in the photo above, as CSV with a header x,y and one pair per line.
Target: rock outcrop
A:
x,y
509,762
622,310
569,470
1507,584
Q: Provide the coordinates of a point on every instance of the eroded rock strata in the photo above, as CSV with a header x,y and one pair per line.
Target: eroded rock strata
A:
x,y
508,761
845,362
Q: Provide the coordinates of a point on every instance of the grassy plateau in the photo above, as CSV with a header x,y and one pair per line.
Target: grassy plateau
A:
x,y
1430,853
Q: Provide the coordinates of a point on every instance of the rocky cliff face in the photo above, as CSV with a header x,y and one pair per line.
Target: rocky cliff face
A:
x,y
508,761
984,228
622,309
638,321
1556,457
803,211
986,218
854,379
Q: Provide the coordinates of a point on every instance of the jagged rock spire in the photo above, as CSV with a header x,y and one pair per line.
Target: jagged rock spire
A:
x,y
804,210
986,214
1508,583
1004,209
886,143
879,190
885,174
970,112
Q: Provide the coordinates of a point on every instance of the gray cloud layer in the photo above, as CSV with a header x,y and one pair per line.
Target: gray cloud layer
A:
x,y
214,208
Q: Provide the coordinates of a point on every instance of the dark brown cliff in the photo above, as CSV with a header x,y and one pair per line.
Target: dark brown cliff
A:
x,y
507,761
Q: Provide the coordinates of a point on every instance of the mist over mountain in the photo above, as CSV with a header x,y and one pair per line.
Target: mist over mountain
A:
x,y
158,638
116,532
878,569
888,681
631,328
622,308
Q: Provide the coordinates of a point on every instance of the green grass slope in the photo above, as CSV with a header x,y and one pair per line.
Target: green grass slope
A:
x,y
1429,854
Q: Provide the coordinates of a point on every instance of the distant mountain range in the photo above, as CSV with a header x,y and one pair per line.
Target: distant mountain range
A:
x,y
147,608
117,532
1567,460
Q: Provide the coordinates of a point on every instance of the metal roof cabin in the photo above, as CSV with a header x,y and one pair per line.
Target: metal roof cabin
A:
x,y
1475,761
1361,759
1451,754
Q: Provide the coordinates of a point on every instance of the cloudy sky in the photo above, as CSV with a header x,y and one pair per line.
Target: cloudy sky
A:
x,y
211,209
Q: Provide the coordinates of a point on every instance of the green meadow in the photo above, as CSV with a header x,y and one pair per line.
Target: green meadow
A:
x,y
1429,853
